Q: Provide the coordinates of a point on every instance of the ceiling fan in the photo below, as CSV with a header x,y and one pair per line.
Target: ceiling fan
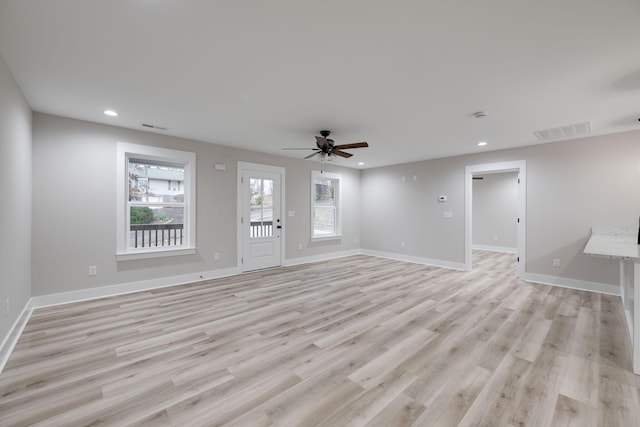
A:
x,y
328,149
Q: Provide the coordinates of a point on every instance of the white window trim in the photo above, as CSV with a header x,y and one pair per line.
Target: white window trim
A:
x,y
338,199
126,150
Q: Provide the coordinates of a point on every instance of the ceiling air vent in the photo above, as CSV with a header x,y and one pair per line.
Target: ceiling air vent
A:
x,y
563,132
146,125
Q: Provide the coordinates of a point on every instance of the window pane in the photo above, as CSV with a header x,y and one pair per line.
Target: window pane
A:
x,y
324,221
261,207
325,204
155,182
325,192
156,196
153,226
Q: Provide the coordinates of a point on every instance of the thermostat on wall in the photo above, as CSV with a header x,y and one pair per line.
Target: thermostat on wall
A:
x,y
442,199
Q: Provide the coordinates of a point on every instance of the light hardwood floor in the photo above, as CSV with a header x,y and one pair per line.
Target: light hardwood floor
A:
x,y
355,341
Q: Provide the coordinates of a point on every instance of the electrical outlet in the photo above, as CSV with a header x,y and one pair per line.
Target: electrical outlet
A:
x,y
495,238
6,307
93,270
556,262
402,244
355,240
216,256
299,246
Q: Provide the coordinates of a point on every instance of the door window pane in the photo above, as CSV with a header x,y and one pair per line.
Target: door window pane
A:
x,y
261,207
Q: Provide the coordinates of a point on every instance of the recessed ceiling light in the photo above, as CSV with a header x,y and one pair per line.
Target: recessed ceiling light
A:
x,y
360,163
111,113
482,144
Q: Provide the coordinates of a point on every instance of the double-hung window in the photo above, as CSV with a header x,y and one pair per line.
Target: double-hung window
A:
x,y
325,205
156,212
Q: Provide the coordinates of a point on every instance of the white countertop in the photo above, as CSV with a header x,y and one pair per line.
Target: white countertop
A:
x,y
614,242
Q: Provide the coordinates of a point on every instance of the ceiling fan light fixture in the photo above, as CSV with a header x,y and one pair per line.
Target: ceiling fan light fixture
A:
x,y
326,149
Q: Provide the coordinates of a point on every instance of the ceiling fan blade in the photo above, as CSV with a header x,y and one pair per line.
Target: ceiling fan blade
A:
x,y
300,149
341,153
322,142
311,155
354,145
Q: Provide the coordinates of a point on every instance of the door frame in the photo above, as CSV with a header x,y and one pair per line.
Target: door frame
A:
x,y
519,166
257,167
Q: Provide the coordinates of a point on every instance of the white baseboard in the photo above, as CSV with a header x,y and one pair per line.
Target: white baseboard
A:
x,y
9,341
417,260
563,282
491,248
127,288
322,257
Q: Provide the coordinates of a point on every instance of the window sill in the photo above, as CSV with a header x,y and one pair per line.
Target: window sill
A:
x,y
154,254
323,238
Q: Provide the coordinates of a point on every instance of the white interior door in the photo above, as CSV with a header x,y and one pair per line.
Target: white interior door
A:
x,y
260,207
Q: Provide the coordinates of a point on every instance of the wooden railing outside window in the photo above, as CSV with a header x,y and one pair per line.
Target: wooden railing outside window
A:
x,y
148,235
261,228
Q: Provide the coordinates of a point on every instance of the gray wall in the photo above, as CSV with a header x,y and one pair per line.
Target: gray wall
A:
x,y
572,185
15,213
74,190
397,209
495,210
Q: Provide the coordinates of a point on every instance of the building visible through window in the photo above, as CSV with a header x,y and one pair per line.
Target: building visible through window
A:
x,y
159,207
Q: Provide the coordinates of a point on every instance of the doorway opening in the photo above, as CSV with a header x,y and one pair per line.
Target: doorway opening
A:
x,y
518,167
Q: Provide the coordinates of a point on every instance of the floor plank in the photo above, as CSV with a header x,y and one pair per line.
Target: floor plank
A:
x,y
367,342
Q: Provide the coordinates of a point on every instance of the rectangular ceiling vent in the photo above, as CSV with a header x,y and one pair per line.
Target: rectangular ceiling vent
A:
x,y
563,132
153,126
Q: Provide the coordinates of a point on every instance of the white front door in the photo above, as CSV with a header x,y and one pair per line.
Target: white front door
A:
x,y
260,207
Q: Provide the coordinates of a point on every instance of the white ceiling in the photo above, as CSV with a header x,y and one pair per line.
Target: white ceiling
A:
x,y
404,75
